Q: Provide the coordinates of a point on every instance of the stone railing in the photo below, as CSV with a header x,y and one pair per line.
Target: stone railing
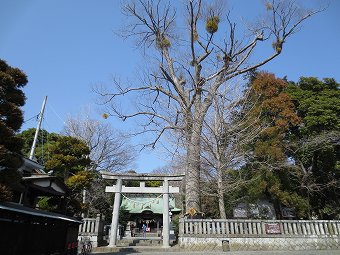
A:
x,y
267,234
259,227
92,229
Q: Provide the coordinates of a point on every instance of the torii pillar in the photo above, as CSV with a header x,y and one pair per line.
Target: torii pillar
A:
x,y
119,188
166,223
115,213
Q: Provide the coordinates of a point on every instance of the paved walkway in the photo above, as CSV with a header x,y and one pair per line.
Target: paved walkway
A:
x,y
317,252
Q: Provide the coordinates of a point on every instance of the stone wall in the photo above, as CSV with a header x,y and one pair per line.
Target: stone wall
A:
x,y
258,243
235,235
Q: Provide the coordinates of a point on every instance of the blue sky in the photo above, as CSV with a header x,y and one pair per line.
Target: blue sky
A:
x,y
65,47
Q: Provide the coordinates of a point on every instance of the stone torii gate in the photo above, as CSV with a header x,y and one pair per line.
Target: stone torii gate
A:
x,y
118,189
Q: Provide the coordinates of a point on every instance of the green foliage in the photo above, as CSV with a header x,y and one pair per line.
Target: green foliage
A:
x,y
69,160
273,185
12,80
124,215
68,156
64,155
314,144
296,158
209,204
318,103
175,223
153,183
80,180
266,173
47,204
44,140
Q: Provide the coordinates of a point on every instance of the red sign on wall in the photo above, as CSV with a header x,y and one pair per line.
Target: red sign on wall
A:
x,y
273,228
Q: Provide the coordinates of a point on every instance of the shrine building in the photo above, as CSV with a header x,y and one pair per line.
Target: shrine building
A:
x,y
146,209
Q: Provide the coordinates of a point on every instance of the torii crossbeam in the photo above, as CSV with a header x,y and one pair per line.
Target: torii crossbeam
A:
x,y
118,189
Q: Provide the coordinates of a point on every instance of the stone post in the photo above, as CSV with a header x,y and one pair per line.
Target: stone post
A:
x,y
166,228
96,229
181,226
128,230
115,214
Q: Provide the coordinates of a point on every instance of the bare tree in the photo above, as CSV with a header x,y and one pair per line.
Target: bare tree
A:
x,y
227,130
109,149
176,166
194,66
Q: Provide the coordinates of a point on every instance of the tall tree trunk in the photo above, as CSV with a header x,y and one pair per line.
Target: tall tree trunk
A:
x,y
193,169
220,192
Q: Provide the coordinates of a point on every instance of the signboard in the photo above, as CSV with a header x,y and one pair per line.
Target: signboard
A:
x,y
273,228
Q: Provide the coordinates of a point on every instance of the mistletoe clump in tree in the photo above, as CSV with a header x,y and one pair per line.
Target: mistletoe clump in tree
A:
x,y
194,67
12,80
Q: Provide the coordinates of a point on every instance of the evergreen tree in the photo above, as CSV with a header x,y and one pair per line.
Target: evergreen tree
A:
x,y
296,159
44,141
267,172
67,158
12,80
315,145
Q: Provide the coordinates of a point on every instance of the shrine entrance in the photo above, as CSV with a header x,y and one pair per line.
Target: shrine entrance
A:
x,y
145,207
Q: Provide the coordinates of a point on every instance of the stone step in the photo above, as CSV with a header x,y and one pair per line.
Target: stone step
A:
x,y
147,235
149,243
136,249
139,242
